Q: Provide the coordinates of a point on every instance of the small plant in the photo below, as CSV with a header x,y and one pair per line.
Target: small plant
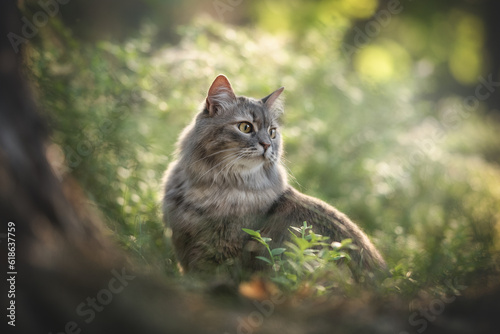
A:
x,y
309,260
274,254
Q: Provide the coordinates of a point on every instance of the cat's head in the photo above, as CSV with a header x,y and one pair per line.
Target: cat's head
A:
x,y
238,133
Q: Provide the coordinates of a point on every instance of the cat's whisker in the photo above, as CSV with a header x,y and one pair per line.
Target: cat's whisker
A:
x,y
211,155
227,168
289,172
225,159
244,153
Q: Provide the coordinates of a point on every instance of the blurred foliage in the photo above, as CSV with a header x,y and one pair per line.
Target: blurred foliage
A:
x,y
366,132
309,263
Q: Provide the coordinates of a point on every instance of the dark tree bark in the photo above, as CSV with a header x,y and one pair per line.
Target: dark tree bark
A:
x,y
61,256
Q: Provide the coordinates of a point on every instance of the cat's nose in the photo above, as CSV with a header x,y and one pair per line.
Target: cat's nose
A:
x,y
265,145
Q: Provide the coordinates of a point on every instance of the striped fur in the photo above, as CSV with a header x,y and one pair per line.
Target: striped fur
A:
x,y
224,180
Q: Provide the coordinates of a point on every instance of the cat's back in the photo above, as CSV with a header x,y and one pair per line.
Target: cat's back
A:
x,y
293,208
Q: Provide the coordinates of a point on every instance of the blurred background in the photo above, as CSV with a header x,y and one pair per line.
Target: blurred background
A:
x,y
392,112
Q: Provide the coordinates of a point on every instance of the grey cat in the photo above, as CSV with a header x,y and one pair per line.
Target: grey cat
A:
x,y
228,175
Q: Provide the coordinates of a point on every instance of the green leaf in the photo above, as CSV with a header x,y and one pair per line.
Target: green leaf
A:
x,y
346,242
336,245
261,241
265,259
278,251
303,244
295,266
310,252
308,267
266,240
252,232
280,280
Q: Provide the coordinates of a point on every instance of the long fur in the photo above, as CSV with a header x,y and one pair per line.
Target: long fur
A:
x,y
223,180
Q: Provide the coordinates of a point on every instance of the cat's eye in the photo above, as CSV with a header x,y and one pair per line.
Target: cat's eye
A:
x,y
272,133
245,127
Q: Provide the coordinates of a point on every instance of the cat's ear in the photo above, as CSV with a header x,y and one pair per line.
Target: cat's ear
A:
x,y
273,102
220,95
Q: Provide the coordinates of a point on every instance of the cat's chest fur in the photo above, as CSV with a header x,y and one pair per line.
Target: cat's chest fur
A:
x,y
207,219
215,200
